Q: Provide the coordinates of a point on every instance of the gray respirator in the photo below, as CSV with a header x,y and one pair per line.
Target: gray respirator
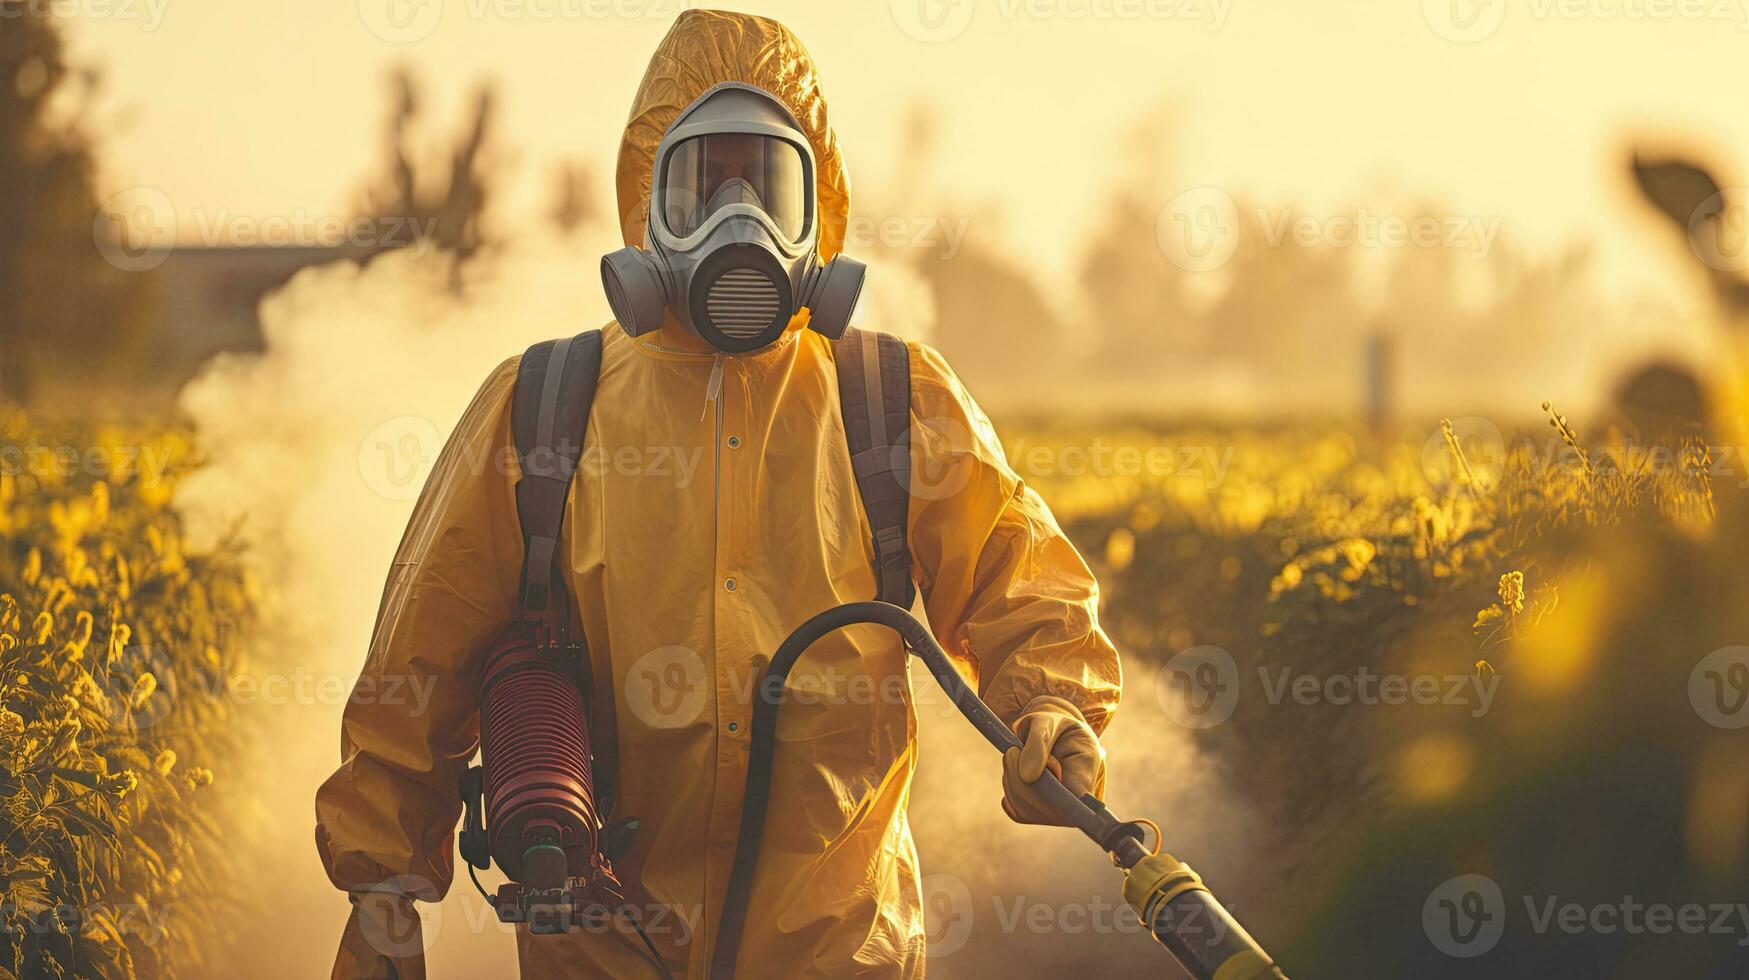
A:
x,y
732,230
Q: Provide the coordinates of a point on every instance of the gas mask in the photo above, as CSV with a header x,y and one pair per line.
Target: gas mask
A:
x,y
732,230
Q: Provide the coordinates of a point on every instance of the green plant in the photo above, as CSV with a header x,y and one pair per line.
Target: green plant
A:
x,y
115,648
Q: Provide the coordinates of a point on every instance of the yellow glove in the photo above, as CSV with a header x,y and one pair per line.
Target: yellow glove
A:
x,y
1053,736
383,940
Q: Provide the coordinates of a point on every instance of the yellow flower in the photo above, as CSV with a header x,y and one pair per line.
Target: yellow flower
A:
x,y
165,762
142,691
124,585
1358,553
74,649
1287,579
119,784
1512,591
154,493
100,503
1120,548
119,634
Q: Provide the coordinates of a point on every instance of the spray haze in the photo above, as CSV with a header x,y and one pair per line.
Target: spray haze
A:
x,y
318,447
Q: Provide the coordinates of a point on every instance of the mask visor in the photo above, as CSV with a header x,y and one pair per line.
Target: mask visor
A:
x,y
706,174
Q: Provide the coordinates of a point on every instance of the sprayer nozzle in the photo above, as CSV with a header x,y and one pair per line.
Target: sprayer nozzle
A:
x,y
543,865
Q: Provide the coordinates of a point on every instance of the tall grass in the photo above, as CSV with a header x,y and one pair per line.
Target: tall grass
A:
x,y
115,647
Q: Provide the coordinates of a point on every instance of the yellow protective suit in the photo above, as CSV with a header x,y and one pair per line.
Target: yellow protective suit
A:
x,y
698,535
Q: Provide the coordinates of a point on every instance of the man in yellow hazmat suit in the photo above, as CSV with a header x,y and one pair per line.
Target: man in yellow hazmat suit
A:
x,y
695,582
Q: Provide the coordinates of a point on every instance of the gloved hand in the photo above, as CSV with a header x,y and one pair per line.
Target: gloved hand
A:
x,y
1053,736
383,940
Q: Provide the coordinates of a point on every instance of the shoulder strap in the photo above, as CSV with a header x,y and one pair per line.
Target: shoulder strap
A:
x,y
549,418
549,415
874,390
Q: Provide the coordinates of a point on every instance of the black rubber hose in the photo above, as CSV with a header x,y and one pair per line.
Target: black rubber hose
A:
x,y
766,698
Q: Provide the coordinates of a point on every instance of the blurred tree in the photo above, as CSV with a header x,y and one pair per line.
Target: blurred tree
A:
x,y
993,319
574,206
414,196
994,323
1290,314
1141,316
59,299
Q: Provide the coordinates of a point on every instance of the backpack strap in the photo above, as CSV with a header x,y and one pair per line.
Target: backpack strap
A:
x,y
874,391
549,414
549,417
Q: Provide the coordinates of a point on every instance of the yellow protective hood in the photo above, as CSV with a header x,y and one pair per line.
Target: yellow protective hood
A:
x,y
706,48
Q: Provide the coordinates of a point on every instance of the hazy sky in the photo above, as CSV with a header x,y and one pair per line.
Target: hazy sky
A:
x,y
1519,111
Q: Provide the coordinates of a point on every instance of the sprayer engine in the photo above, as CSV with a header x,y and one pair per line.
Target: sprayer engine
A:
x,y
531,801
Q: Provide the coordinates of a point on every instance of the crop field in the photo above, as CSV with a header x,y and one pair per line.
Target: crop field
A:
x,y
1378,640
1507,582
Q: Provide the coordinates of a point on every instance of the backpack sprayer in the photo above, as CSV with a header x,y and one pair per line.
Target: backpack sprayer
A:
x,y
531,805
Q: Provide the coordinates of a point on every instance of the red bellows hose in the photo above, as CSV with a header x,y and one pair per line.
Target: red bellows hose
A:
x,y
534,745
